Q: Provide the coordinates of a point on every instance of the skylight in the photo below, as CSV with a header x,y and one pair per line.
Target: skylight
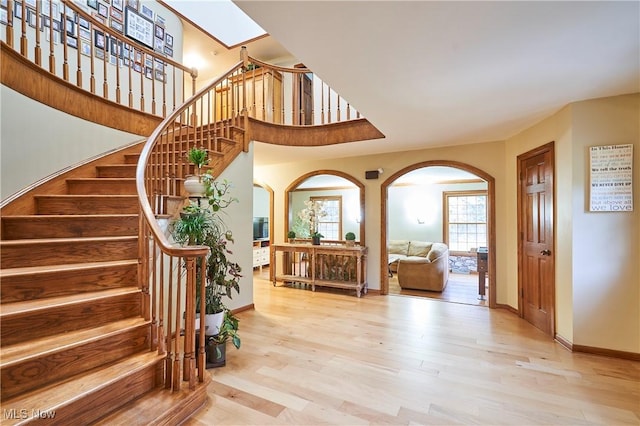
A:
x,y
220,18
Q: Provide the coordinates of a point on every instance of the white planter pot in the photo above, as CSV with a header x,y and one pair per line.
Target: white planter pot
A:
x,y
194,186
212,323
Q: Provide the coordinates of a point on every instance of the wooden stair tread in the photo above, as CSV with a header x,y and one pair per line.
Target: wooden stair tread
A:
x,y
101,179
160,407
15,308
23,351
36,241
68,216
86,196
57,395
32,270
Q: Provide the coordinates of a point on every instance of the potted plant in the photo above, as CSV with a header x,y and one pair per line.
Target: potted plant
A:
x,y
199,158
216,347
291,235
201,224
350,238
315,238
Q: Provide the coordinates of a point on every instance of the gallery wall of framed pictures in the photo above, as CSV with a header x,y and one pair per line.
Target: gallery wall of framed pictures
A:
x,y
133,19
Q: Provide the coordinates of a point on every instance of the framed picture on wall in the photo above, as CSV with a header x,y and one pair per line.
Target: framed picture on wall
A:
x,y
138,28
103,10
117,4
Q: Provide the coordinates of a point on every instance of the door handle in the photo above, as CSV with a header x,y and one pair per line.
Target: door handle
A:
x,y
546,252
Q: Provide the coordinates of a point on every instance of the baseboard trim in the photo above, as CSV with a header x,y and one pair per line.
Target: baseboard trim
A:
x,y
592,350
564,342
632,356
508,308
249,307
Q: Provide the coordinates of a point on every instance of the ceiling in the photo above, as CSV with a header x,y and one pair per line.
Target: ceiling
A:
x,y
430,74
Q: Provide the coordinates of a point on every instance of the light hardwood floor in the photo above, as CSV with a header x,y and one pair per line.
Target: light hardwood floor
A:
x,y
327,357
461,288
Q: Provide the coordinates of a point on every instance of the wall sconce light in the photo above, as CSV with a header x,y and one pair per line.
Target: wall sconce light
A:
x,y
420,220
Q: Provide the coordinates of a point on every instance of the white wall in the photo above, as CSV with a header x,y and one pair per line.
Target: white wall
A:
x,y
408,202
597,276
239,219
31,150
260,202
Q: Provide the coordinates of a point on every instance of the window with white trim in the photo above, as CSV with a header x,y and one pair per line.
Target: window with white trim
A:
x,y
330,225
465,220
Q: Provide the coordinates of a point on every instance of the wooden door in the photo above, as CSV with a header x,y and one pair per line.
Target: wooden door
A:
x,y
536,257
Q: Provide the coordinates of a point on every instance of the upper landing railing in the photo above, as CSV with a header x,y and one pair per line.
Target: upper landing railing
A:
x,y
81,49
77,45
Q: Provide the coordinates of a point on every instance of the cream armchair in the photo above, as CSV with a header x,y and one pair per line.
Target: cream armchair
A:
x,y
425,273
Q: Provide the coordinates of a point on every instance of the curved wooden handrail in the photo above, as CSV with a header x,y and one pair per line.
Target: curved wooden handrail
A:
x,y
145,155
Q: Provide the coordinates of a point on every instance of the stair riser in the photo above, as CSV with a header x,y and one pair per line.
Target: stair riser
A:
x,y
16,228
101,187
119,171
62,252
91,406
33,373
87,205
68,282
29,325
131,158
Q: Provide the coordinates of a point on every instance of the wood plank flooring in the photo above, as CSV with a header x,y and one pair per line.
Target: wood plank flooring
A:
x,y
461,288
328,357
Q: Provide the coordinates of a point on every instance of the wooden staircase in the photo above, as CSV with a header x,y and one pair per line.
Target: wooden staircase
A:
x,y
76,348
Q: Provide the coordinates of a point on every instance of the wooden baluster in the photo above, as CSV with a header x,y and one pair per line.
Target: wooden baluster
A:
x,y
201,361
79,58
9,27
338,115
153,86
322,103
159,308
142,71
65,47
328,104
38,49
170,332
189,320
118,52
52,58
175,386
24,44
132,58
164,90
105,69
149,303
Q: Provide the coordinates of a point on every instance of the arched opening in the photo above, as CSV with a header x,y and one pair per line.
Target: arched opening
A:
x,y
263,200
423,209
323,184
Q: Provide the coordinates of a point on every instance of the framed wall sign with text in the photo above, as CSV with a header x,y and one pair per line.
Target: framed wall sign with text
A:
x,y
611,178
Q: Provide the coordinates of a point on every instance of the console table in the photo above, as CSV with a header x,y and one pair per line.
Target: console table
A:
x,y
337,266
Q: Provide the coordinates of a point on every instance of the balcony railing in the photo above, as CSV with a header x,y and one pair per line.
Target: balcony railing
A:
x,y
70,43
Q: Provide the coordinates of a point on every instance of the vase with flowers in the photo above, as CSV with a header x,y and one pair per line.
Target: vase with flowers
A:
x,y
311,216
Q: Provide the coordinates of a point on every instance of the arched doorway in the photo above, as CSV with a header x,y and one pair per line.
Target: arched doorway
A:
x,y
385,215
329,183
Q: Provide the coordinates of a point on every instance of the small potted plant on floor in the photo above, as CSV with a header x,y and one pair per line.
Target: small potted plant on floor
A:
x,y
217,345
350,239
291,235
